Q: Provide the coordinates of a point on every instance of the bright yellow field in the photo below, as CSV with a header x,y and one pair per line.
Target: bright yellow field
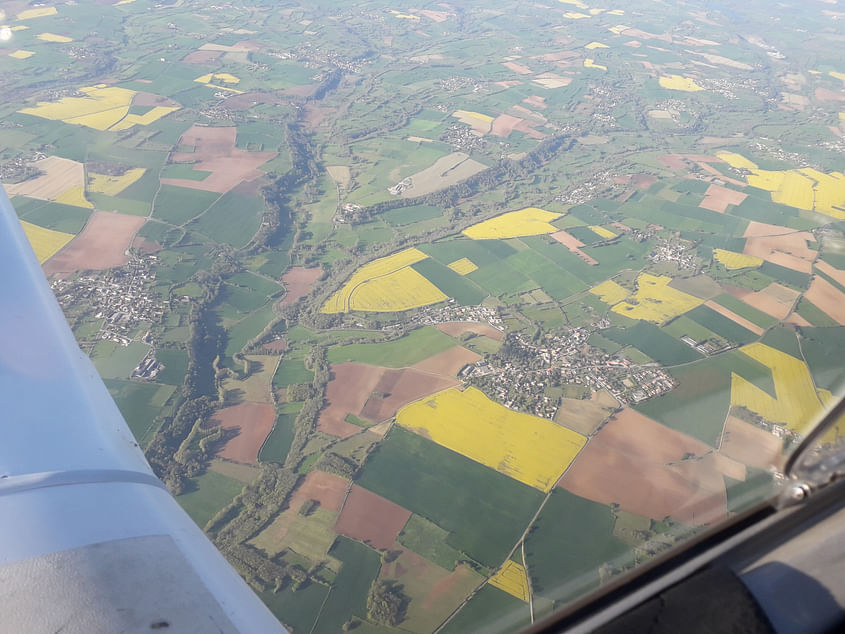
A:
x,y
575,15
154,114
590,63
525,222
340,301
45,242
836,75
797,401
37,13
577,3
676,82
594,45
805,188
602,232
19,54
463,266
733,260
610,292
656,301
224,77
52,37
511,578
533,450
401,290
74,196
113,185
103,107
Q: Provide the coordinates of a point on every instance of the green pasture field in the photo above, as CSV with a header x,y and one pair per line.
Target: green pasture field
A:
x,y
683,325
175,362
497,609
744,310
292,371
51,215
480,252
721,325
240,333
408,215
570,540
655,343
814,314
296,609
254,282
348,596
183,170
796,279
140,404
698,405
207,494
178,205
429,540
783,339
122,205
452,284
242,298
114,361
484,517
822,348
406,351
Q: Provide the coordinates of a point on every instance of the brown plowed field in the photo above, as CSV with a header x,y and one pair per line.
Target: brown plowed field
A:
x,y
347,393
831,271
717,198
636,462
326,488
400,387
298,282
775,300
573,244
750,445
253,421
370,518
449,362
518,68
789,250
798,320
827,298
201,57
101,245
742,321
457,328
582,415
536,101
504,124
278,345
146,246
215,152
757,229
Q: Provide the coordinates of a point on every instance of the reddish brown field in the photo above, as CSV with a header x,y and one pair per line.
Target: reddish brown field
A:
x,y
457,328
573,244
786,249
370,518
504,124
253,421
298,282
397,388
326,488
755,229
517,68
202,57
101,245
637,463
347,393
449,362
278,345
215,152
146,246
750,445
775,300
742,321
527,130
823,94
827,298
717,198
150,99
798,320
640,181
536,101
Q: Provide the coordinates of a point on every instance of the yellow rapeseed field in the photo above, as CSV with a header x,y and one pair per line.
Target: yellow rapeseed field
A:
x,y
463,266
805,188
525,222
594,45
102,107
340,301
52,37
21,54
533,450
676,82
224,77
578,3
797,401
590,63
401,290
45,242
113,185
511,578
404,16
733,260
74,196
656,301
37,13
575,15
154,114
619,28
602,232
610,292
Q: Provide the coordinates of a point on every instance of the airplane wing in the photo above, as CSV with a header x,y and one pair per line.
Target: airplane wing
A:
x,y
90,539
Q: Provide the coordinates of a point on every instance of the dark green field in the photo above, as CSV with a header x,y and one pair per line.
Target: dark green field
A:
x,y
451,283
655,343
407,215
49,215
296,610
570,540
822,348
490,610
207,494
177,205
485,515
140,403
277,444
744,310
242,298
292,372
405,351
814,314
721,325
175,365
429,540
233,219
249,327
